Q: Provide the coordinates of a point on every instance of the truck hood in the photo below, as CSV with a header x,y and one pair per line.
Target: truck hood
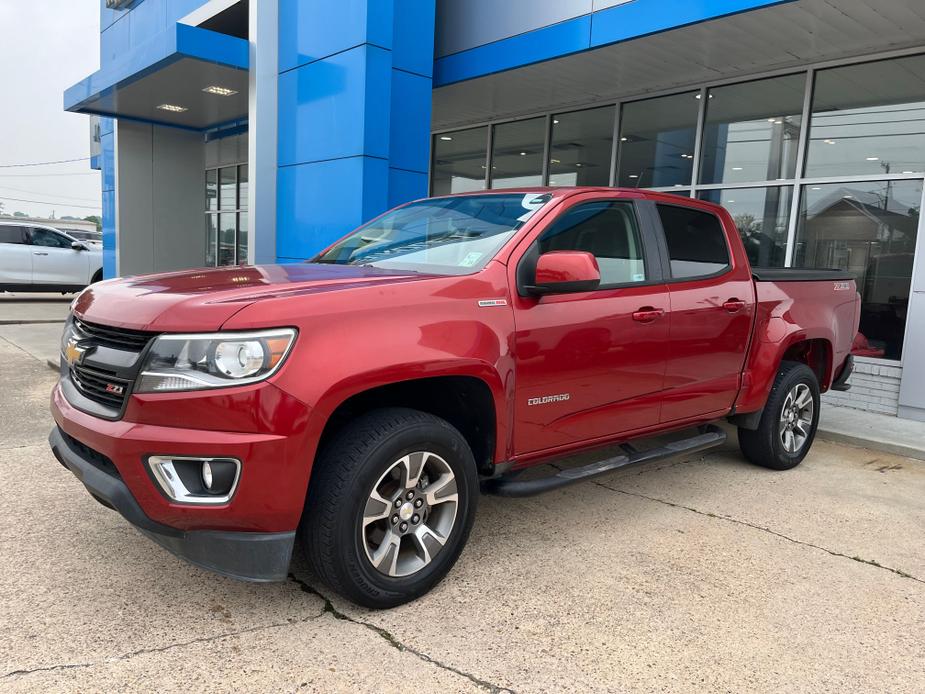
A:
x,y
202,300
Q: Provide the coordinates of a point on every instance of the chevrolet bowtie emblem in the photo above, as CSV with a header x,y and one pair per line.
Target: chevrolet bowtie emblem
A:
x,y
74,352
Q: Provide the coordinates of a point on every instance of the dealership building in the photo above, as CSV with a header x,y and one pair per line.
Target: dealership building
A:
x,y
238,132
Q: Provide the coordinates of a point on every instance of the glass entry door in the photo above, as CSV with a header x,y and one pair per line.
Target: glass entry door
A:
x,y
226,216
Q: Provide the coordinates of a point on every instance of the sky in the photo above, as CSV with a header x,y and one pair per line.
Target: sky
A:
x,y
46,47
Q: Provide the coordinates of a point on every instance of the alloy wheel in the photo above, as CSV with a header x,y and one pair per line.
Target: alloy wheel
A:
x,y
410,514
796,418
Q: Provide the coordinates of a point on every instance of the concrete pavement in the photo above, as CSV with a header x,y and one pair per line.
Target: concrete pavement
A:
x,y
688,575
34,308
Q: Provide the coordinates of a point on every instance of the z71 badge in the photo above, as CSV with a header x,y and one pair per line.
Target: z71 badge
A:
x,y
842,286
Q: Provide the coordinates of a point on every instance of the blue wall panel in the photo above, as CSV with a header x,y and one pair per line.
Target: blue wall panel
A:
x,y
354,115
334,107
411,100
321,201
313,29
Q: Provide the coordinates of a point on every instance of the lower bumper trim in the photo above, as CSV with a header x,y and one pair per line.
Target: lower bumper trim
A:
x,y
246,556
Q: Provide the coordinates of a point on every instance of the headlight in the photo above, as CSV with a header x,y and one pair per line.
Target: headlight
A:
x,y
217,360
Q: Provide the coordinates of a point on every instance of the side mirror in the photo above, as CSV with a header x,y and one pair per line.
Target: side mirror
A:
x,y
78,246
560,272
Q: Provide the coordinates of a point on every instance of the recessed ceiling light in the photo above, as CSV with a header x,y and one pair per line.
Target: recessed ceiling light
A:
x,y
523,154
173,108
623,139
829,142
779,122
578,165
446,138
554,161
219,91
873,158
908,172
633,176
555,122
849,197
730,201
817,188
736,168
771,120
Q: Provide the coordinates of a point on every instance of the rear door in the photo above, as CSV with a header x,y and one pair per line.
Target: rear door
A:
x,y
15,255
55,262
591,365
712,304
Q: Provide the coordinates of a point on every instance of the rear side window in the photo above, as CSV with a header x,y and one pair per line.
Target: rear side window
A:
x,y
11,234
696,242
607,230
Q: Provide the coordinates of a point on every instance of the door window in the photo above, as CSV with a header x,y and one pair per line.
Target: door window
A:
x,y
607,230
696,242
49,239
11,234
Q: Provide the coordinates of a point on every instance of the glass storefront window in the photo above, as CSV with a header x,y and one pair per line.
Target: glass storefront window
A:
x,y
226,238
211,238
228,193
752,131
580,147
242,238
211,190
459,161
656,146
517,154
762,216
242,187
869,229
867,119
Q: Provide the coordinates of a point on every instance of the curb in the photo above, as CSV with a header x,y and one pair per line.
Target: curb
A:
x,y
32,322
871,444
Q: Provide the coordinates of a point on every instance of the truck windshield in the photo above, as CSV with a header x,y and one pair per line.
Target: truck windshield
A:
x,y
446,236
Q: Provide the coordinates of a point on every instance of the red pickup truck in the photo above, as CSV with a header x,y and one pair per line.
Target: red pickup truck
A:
x,y
356,405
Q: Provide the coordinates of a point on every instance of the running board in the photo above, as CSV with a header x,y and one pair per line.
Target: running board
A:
x,y
710,436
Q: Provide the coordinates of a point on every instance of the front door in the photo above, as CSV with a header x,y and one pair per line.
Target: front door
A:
x,y
591,365
55,262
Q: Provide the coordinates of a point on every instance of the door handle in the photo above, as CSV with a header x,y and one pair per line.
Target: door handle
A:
x,y
734,305
39,253
647,314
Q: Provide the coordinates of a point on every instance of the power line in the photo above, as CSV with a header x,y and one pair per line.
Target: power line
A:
x,y
59,203
76,173
43,163
38,192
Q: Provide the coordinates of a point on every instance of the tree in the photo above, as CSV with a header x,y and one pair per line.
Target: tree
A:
x,y
96,220
20,214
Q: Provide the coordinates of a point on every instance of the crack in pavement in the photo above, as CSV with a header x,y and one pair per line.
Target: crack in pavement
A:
x,y
15,674
394,642
708,514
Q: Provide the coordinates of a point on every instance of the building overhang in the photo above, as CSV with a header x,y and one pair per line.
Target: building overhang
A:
x,y
172,69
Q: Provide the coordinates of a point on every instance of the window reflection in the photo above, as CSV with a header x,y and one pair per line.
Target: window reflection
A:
x,y
228,194
657,141
869,229
459,161
517,154
762,216
868,119
580,147
752,131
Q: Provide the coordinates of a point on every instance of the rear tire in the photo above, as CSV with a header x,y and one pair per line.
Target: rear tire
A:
x,y
390,505
788,424
97,277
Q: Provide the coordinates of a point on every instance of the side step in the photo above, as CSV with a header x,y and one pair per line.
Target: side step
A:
x,y
710,436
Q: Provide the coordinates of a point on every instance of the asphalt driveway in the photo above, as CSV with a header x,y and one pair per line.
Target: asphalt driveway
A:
x,y
704,574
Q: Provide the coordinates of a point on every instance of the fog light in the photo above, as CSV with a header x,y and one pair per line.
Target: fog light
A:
x,y
189,480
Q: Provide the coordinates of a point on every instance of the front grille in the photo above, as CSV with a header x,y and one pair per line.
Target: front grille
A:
x,y
100,386
95,458
118,338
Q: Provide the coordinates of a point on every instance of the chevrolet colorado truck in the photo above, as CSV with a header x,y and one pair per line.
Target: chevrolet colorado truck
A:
x,y
353,407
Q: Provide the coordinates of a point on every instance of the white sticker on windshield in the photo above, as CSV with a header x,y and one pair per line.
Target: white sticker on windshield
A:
x,y
471,259
532,203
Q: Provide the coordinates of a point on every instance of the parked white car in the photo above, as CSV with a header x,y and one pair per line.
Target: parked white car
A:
x,y
37,258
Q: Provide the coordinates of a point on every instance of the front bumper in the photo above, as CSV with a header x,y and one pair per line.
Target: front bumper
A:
x,y
251,556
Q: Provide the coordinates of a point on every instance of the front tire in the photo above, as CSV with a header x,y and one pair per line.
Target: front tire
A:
x,y
789,421
390,505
